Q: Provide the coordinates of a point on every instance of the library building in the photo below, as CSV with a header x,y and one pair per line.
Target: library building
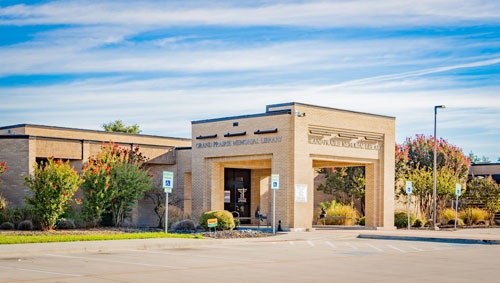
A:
x,y
229,162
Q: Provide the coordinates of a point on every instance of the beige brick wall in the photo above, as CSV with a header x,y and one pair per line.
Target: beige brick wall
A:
x,y
15,153
21,152
263,153
348,138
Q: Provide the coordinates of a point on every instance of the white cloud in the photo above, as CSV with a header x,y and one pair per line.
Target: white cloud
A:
x,y
165,80
310,13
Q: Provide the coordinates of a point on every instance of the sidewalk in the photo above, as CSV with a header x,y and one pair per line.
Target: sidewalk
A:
x,y
489,236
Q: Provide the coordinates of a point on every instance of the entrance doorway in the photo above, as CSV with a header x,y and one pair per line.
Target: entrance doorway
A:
x,y
340,189
237,187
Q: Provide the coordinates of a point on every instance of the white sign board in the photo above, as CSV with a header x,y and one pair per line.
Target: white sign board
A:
x,y
409,187
458,189
300,192
275,181
168,181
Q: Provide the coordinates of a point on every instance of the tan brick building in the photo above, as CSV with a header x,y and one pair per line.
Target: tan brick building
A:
x,y
234,157
229,161
23,145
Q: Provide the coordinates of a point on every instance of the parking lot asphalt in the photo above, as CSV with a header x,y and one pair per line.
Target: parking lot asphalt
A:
x,y
487,236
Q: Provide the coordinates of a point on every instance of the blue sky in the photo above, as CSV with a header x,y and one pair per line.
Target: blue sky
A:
x,y
163,64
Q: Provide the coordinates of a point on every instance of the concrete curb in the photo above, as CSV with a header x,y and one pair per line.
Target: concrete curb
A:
x,y
431,239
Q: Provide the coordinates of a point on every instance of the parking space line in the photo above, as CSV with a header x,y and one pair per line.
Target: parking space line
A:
x,y
351,245
202,256
396,248
310,243
375,248
41,271
116,261
417,249
333,246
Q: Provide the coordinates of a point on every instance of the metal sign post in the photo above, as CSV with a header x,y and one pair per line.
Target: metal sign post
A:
x,y
458,192
168,185
409,187
275,184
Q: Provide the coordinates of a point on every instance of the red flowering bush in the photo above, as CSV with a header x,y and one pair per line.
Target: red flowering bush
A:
x,y
53,186
113,181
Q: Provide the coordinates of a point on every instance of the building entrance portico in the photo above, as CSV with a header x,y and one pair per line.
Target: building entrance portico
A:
x,y
292,140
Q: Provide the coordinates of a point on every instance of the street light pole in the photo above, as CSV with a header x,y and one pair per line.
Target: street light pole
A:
x,y
434,194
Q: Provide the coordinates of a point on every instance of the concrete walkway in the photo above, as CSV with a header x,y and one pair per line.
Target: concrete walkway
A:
x,y
466,236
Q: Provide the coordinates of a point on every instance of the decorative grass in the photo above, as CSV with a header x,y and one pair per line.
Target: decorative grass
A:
x,y
27,239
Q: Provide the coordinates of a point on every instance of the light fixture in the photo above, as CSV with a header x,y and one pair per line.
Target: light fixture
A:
x,y
434,226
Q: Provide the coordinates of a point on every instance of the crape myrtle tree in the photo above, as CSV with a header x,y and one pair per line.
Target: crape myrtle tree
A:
x,y
114,180
53,186
414,162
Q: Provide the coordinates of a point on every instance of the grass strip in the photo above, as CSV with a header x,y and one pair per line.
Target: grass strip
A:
x,y
29,239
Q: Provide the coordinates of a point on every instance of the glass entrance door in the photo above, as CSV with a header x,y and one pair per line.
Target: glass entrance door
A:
x,y
237,192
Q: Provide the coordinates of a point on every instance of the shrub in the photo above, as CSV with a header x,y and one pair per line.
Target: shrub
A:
x,y
66,224
184,225
447,215
478,215
334,208
52,185
362,221
418,222
25,225
74,213
113,181
225,219
18,214
401,219
7,226
473,215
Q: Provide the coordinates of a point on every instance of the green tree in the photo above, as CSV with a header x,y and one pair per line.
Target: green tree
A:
x,y
346,184
129,182
118,126
485,192
476,159
114,180
52,185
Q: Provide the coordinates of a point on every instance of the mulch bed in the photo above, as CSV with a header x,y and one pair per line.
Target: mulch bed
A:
x,y
215,235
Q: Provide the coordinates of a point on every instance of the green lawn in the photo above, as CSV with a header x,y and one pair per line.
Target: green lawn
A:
x,y
26,239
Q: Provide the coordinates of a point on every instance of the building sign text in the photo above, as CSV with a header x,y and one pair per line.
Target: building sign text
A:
x,y
344,143
238,142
